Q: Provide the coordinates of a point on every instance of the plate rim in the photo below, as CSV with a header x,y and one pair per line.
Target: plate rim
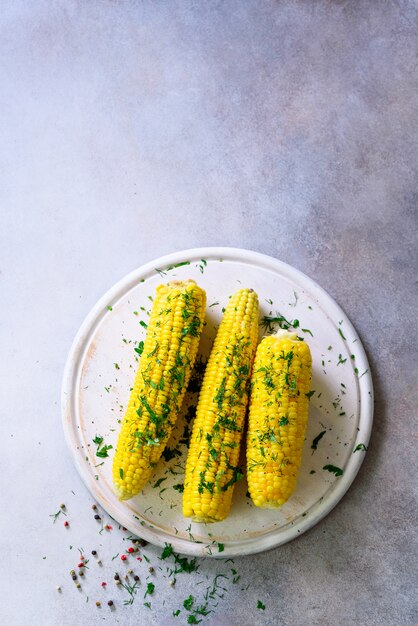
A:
x,y
321,508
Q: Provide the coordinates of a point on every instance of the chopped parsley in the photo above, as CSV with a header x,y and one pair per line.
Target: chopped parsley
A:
x,y
341,334
168,551
140,348
360,446
150,589
101,451
188,603
159,481
334,470
260,605
317,439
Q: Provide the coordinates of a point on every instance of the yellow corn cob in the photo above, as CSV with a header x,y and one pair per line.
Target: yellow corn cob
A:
x,y
211,467
165,366
278,415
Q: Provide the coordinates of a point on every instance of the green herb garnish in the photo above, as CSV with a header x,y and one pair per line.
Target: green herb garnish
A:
x,y
334,469
168,551
150,589
317,439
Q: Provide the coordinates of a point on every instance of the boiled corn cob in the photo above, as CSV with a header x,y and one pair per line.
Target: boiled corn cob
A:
x,y
278,415
164,370
211,467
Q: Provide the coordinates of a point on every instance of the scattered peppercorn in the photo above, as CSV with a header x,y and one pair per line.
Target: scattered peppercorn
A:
x,y
110,603
123,557
136,578
94,552
98,603
62,506
59,589
78,586
108,527
80,565
99,563
151,570
81,573
66,523
130,571
130,550
74,577
72,572
143,543
117,576
97,516
104,584
94,507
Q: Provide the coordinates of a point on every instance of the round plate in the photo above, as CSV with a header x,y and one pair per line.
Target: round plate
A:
x,y
101,367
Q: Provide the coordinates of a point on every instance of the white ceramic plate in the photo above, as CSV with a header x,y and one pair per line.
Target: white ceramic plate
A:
x,y
102,364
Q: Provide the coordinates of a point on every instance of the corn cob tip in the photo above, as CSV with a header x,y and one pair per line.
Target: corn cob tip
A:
x,y
282,333
175,284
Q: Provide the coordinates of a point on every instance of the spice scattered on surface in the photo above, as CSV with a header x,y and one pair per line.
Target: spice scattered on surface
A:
x,y
130,550
66,523
117,576
94,552
110,603
123,557
59,589
136,578
98,603
97,517
104,584
94,507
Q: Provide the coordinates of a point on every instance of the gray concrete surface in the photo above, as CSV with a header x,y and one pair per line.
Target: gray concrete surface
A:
x,y
131,129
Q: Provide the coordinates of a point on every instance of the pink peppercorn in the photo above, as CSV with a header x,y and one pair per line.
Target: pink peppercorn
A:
x,y
130,550
123,557
66,523
80,565
104,584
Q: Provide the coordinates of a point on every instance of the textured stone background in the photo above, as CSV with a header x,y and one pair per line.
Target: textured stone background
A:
x,y
131,129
